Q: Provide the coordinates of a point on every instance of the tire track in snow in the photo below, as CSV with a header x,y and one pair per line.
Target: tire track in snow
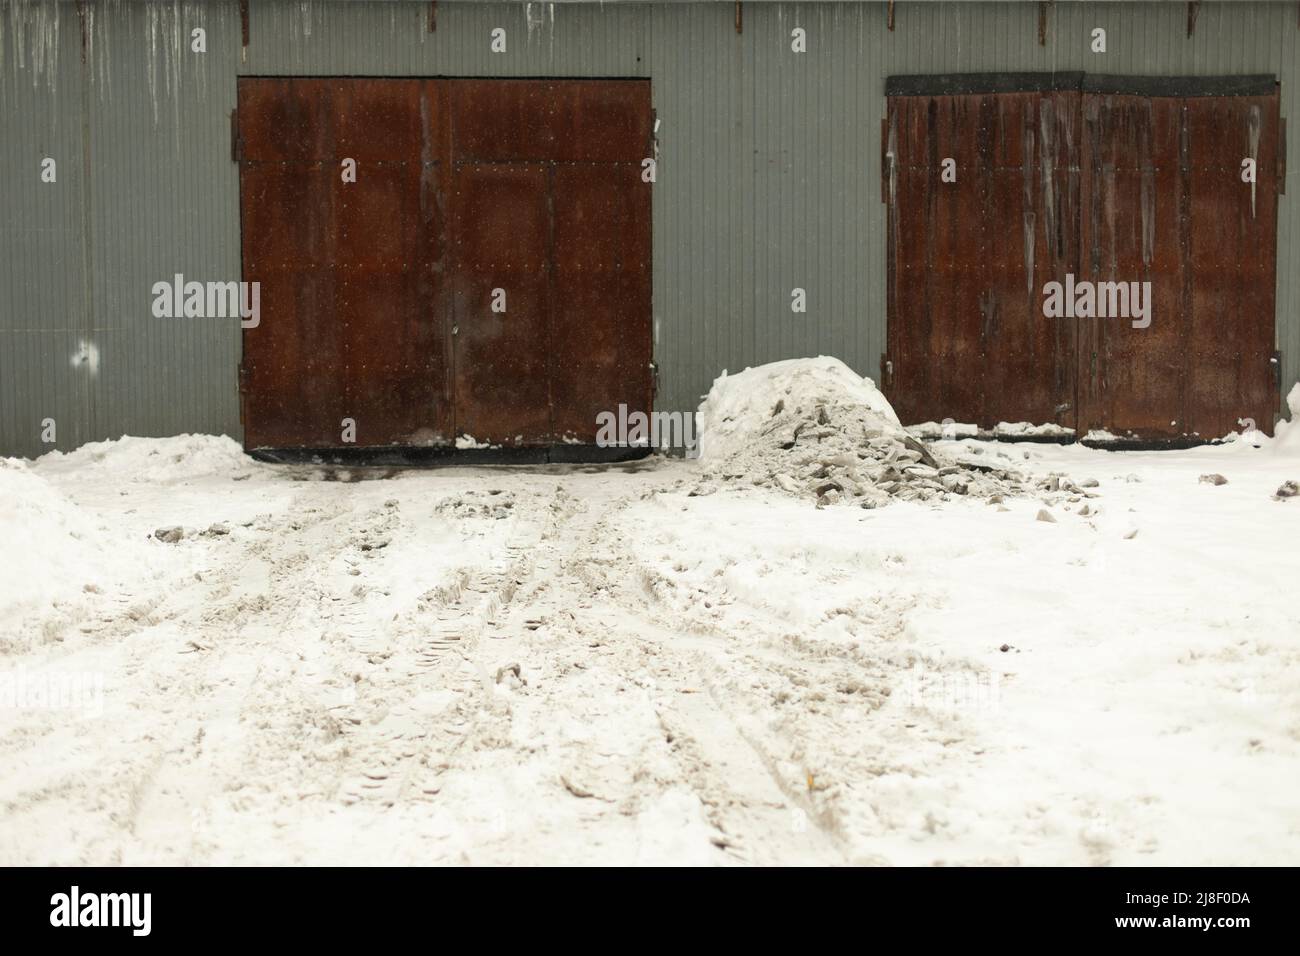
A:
x,y
685,727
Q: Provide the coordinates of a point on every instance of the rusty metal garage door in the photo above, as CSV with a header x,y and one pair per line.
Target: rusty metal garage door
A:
x,y
1102,179
982,192
552,256
486,275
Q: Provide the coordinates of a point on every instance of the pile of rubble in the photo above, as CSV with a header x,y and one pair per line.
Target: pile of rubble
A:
x,y
812,428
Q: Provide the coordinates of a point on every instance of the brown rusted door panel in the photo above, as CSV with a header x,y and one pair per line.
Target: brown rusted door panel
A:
x,y
1233,229
286,212
501,120
935,328
600,327
550,120
1029,190
600,121
501,228
396,390
1134,230
966,332
377,294
286,120
1165,203
295,376
350,326
294,372
379,119
549,207
1106,188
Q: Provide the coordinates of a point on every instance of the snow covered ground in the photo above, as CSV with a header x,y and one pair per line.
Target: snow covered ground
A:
x,y
573,664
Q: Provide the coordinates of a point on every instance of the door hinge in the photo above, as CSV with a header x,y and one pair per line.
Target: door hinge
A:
x,y
886,371
243,394
235,151
1276,361
885,160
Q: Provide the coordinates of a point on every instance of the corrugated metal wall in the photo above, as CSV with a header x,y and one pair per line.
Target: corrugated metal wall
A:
x,y
768,176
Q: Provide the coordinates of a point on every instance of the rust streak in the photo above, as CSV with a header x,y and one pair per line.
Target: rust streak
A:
x,y
81,19
1281,157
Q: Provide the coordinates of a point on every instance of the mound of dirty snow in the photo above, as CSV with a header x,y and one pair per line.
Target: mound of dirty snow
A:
x,y
153,460
1286,436
1031,430
814,428
58,549
741,406
947,430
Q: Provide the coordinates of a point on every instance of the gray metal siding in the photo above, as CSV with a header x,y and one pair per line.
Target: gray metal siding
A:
x,y
164,200
768,176
42,309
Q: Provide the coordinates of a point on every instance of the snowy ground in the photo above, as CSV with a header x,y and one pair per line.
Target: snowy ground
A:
x,y
587,665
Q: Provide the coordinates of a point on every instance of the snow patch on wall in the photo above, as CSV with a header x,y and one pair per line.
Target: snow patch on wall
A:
x,y
87,357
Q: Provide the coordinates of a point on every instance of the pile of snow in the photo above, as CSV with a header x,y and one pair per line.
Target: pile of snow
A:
x,y
738,407
1286,436
59,550
69,560
152,460
947,430
814,428
1030,430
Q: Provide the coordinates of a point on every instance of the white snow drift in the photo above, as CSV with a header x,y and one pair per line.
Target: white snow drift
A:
x,y
579,665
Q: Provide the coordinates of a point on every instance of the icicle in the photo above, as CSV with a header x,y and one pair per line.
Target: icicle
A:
x,y
1252,136
536,19
196,16
1046,163
98,47
1148,214
179,45
1029,219
20,37
1148,195
45,45
88,25
152,13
